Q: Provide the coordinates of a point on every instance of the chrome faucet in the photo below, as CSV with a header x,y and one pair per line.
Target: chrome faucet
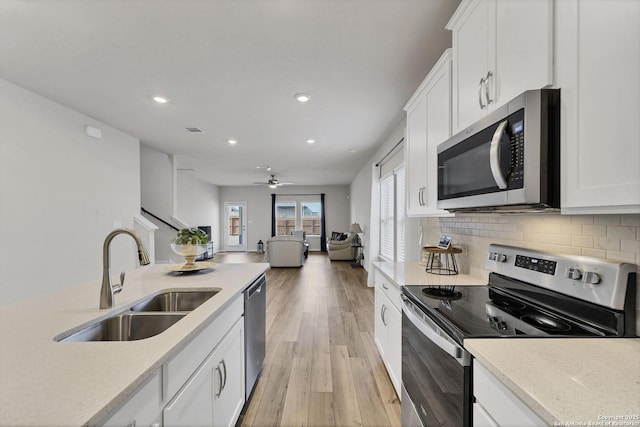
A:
x,y
107,291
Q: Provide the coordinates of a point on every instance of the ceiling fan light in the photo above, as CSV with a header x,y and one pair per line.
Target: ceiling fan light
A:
x,y
273,186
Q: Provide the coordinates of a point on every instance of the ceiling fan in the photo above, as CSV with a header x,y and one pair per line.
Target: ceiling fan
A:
x,y
273,182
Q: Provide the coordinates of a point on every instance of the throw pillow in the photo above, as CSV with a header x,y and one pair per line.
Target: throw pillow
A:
x,y
343,236
335,235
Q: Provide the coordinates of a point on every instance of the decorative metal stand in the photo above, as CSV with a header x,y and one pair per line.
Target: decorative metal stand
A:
x,y
441,261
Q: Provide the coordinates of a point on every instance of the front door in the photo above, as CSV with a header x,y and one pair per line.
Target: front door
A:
x,y
235,226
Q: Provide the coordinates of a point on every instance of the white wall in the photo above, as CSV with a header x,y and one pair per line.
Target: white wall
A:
x,y
199,203
258,200
169,192
61,192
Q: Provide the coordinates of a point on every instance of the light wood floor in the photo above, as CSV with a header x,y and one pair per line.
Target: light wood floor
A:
x,y
322,367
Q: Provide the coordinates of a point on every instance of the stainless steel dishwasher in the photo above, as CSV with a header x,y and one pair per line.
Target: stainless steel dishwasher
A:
x,y
255,307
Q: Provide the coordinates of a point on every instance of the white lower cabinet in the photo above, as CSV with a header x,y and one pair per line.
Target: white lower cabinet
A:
x,y
388,332
495,405
202,385
214,395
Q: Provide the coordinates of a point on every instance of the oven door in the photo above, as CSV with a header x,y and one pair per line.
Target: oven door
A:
x,y
436,373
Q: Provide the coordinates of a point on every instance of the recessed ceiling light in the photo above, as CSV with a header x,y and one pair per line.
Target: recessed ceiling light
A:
x,y
160,99
268,168
232,141
310,141
302,97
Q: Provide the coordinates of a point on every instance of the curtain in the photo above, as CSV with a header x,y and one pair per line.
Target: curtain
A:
x,y
273,214
323,227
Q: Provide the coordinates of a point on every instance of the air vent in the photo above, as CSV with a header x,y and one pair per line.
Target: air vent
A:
x,y
194,130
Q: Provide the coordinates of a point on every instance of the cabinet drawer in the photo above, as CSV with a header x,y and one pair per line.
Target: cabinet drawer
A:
x,y
143,408
500,403
183,365
389,288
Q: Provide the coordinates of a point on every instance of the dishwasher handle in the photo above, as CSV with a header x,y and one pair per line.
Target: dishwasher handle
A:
x,y
255,288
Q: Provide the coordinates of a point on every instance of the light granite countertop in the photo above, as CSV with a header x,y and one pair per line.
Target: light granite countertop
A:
x,y
44,382
574,381
412,273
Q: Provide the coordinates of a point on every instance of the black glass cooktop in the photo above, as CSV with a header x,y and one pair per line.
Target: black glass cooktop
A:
x,y
508,309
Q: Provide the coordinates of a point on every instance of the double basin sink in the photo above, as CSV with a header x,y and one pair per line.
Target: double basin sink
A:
x,y
146,318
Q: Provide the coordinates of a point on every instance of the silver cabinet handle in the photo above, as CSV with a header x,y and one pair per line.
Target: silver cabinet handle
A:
x,y
224,382
494,156
423,202
219,375
482,106
486,87
384,308
419,195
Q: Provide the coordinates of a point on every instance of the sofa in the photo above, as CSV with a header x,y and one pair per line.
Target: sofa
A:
x,y
341,250
285,251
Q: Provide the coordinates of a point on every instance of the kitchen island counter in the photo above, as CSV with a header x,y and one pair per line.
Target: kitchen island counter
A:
x,y
45,382
574,381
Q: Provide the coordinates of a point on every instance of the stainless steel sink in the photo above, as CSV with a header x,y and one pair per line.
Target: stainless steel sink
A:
x,y
125,327
175,300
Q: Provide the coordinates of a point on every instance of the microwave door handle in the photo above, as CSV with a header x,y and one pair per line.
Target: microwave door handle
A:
x,y
494,156
448,347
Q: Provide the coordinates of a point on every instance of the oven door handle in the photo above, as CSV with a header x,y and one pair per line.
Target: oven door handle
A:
x,y
452,349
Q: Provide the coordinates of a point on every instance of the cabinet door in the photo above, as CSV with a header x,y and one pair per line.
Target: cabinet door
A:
x,y
381,305
470,36
523,56
438,129
214,395
598,65
416,154
143,407
393,318
229,385
193,405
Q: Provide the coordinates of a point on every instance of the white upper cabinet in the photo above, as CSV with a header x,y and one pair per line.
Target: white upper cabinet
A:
x,y
501,48
428,124
598,72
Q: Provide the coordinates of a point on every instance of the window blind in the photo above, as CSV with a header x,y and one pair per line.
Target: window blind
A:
x,y
387,223
400,213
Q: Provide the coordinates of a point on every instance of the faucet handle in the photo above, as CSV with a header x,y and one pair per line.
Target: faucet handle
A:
x,y
118,288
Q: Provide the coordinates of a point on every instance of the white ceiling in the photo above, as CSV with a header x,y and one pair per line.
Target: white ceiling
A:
x,y
231,68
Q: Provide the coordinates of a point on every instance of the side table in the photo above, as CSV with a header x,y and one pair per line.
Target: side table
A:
x,y
358,261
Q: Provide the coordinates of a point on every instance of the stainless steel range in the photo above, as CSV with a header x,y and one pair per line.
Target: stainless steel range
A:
x,y
529,294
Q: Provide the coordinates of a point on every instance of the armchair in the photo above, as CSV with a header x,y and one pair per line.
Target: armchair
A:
x,y
341,250
285,251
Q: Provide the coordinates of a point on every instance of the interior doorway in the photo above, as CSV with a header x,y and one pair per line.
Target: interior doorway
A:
x,y
235,226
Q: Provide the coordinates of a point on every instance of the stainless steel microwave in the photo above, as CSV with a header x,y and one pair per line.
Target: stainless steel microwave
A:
x,y
509,160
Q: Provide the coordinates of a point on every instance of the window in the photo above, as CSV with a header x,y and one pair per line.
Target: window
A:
x,y
310,212
285,217
392,215
302,214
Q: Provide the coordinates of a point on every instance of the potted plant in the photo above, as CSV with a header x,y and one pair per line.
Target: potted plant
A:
x,y
190,243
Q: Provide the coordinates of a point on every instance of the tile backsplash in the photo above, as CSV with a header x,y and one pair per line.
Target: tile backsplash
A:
x,y
613,237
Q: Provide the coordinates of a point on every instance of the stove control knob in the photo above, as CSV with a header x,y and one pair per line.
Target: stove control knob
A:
x,y
573,273
590,277
501,257
502,325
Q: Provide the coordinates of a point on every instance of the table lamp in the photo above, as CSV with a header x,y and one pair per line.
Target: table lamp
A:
x,y
355,228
